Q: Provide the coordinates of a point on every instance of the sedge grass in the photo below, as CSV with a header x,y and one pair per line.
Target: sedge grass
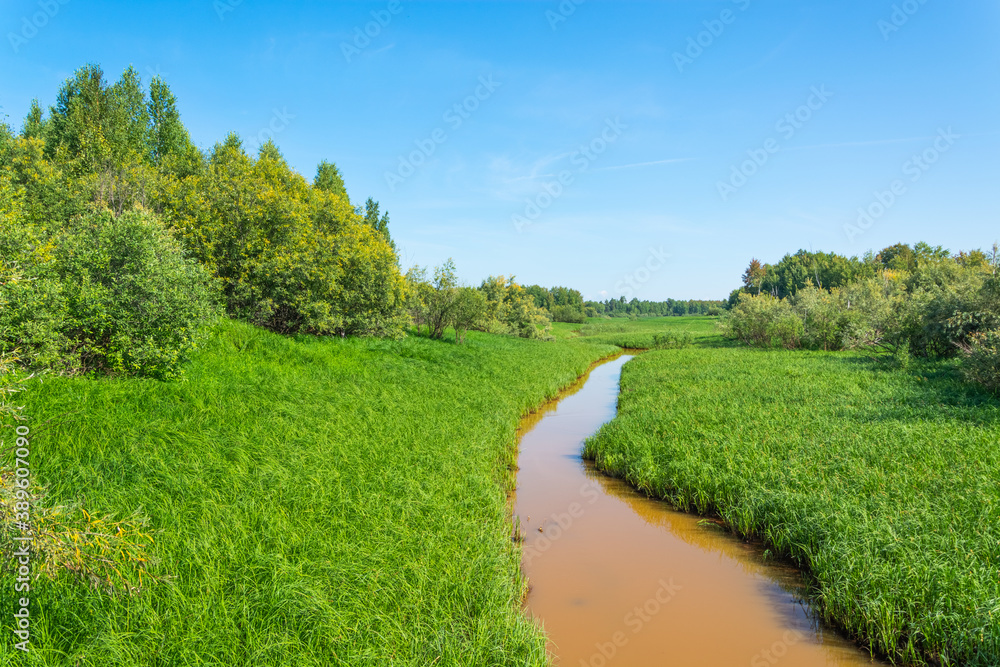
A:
x,y
640,334
881,483
315,502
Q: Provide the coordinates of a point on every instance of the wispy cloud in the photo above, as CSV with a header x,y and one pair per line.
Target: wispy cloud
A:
x,y
646,164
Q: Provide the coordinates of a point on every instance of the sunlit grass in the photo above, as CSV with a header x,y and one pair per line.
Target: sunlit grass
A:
x,y
883,484
315,501
640,334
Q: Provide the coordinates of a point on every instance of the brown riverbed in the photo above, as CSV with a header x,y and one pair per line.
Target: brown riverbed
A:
x,y
617,579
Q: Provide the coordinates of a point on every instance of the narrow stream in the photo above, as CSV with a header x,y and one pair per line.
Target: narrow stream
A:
x,y
617,579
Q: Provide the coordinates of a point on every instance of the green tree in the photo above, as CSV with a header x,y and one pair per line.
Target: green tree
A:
x,y
468,312
753,277
167,135
34,122
443,299
328,179
372,219
128,120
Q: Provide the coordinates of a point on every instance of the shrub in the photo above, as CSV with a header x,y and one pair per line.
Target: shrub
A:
x,y
109,294
982,359
763,321
822,318
571,314
510,309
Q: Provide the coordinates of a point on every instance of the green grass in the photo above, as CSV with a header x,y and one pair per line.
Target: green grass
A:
x,y
639,334
882,484
317,501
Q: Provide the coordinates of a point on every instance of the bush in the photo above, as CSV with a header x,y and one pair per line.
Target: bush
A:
x,y
571,314
109,294
763,321
822,317
510,309
982,359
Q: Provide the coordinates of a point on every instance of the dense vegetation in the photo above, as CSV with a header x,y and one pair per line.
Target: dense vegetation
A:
x,y
651,333
312,501
120,241
499,305
906,302
567,305
335,495
563,304
669,308
879,482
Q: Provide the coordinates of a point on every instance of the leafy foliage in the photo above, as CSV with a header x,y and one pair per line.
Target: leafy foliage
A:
x,y
106,294
906,302
287,255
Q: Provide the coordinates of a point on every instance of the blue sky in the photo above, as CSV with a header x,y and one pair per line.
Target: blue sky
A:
x,y
595,145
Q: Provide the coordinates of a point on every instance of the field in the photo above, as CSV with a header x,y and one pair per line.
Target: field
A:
x,y
881,483
639,334
314,501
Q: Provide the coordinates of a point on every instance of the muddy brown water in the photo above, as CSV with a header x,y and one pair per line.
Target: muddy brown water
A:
x,y
620,580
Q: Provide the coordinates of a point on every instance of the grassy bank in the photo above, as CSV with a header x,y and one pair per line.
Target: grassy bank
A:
x,y
881,483
315,501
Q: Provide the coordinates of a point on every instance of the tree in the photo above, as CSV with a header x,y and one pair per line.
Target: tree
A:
x,y
167,135
899,257
128,118
443,299
379,224
328,179
468,311
753,277
34,122
79,119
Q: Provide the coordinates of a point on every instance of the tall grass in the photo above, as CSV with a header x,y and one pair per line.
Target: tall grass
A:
x,y
314,502
881,483
641,334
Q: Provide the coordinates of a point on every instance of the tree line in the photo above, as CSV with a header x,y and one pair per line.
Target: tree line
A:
x,y
920,301
669,308
121,241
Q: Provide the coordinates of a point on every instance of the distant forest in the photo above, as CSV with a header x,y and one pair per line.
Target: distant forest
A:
x,y
567,305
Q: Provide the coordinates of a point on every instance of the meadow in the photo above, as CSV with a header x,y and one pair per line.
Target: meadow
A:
x,y
880,483
640,334
313,501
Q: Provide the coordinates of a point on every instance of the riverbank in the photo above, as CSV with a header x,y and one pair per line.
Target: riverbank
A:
x,y
313,502
879,482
